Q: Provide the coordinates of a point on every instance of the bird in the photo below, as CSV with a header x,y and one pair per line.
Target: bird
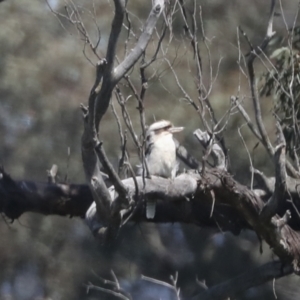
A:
x,y
160,155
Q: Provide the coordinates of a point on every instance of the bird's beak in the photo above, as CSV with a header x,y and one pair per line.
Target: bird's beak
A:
x,y
175,129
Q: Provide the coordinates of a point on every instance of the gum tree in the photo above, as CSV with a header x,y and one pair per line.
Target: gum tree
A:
x,y
205,193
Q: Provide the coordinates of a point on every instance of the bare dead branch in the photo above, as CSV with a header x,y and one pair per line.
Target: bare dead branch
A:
x,y
156,281
116,27
279,223
89,157
100,70
256,103
123,140
113,176
127,120
260,132
52,173
208,143
192,32
273,204
252,79
249,155
142,42
264,182
185,157
233,287
185,190
285,243
73,16
250,124
146,64
106,80
198,109
111,287
117,294
112,77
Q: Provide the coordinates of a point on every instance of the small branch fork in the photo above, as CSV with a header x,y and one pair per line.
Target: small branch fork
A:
x,y
93,152
172,286
212,148
205,107
111,287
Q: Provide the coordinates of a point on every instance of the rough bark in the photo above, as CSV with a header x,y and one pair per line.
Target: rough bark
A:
x,y
213,190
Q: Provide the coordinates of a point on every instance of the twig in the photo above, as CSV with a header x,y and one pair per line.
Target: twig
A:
x,y
251,278
113,176
142,42
256,51
271,207
249,156
211,147
117,294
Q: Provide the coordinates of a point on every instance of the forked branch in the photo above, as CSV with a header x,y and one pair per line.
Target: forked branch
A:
x,y
93,152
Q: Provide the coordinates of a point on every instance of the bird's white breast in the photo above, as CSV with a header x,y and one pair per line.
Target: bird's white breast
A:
x,y
162,159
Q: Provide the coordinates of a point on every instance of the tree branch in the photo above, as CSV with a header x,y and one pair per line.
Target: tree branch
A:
x,y
252,80
235,286
185,157
114,35
17,198
252,127
142,42
88,144
272,206
211,147
178,200
98,104
111,77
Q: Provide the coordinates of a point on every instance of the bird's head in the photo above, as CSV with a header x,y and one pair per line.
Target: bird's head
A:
x,y
161,129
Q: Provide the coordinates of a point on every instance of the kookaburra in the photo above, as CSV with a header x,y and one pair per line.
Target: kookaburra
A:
x,y
160,155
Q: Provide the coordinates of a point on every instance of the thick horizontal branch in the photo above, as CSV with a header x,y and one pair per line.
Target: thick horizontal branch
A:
x,y
19,197
174,205
213,198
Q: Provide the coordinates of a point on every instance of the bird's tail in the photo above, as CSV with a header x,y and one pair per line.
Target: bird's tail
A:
x,y
150,209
